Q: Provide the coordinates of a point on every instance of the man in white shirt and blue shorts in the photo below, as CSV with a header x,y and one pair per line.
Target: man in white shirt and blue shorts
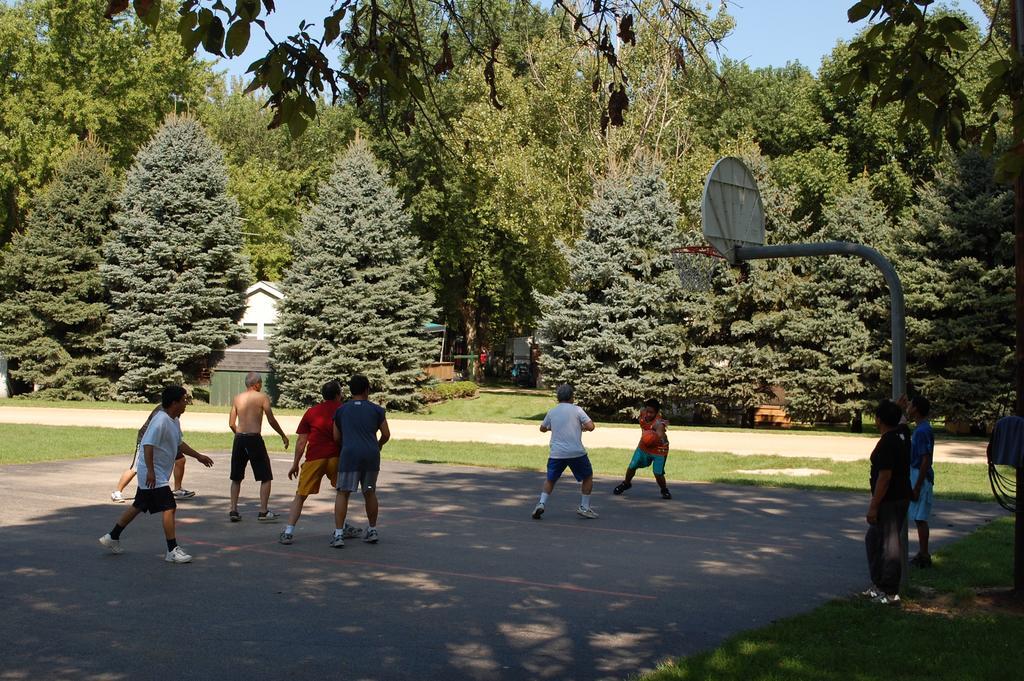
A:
x,y
566,423
160,446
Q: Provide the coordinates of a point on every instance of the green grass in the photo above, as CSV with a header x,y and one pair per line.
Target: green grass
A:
x,y
28,444
853,639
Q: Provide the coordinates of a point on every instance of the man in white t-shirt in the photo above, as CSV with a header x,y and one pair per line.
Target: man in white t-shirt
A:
x,y
160,445
566,423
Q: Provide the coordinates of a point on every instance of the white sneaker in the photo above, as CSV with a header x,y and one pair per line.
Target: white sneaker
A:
x,y
538,511
183,494
586,512
885,599
113,544
371,536
337,542
871,592
117,497
177,555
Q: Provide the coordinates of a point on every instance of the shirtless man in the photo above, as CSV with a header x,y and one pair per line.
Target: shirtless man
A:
x,y
246,422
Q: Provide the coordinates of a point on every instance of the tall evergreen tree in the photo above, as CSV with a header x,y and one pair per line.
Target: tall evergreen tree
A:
x,y
356,296
960,294
837,339
53,307
614,332
174,267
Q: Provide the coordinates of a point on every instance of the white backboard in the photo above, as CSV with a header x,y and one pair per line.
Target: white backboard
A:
x,y
731,210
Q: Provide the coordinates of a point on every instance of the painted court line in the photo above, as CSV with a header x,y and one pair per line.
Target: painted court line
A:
x,y
516,581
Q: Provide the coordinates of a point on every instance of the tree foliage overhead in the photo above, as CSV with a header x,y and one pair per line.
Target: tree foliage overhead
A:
x,y
356,299
399,50
174,266
67,74
918,57
54,308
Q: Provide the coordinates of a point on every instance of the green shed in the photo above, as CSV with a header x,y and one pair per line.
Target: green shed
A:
x,y
228,377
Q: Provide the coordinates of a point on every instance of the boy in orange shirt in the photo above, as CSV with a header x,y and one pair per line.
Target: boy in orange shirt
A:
x,y
652,449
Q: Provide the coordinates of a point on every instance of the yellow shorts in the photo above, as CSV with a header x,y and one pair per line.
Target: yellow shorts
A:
x,y
312,472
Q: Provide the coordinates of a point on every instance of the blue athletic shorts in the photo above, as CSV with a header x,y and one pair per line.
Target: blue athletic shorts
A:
x,y
580,467
642,459
921,509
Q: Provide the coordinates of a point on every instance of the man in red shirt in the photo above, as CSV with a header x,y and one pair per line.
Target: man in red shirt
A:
x,y
316,440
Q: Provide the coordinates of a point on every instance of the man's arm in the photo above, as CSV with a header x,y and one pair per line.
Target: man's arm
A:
x,y
881,487
300,449
233,418
337,434
201,458
150,475
385,433
587,425
273,421
545,425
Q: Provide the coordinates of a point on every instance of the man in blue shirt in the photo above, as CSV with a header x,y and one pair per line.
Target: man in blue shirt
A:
x,y
356,424
922,476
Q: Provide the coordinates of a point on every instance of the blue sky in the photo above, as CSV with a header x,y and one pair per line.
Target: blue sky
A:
x,y
768,32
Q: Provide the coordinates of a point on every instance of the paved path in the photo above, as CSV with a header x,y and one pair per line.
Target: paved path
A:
x,y
743,442
463,586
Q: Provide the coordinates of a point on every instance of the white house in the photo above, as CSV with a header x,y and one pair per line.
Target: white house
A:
x,y
260,316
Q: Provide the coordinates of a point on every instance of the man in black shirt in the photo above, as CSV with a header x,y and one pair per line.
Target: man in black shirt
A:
x,y
890,497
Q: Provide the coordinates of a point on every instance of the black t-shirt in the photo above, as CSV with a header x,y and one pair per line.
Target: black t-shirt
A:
x,y
893,453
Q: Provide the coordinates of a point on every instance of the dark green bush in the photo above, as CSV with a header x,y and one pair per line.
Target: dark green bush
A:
x,y
442,392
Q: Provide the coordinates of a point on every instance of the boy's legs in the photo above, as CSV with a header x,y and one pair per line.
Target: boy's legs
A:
x,y
236,486
639,460
923,533
264,495
125,478
546,490
296,510
168,523
178,473
340,510
372,507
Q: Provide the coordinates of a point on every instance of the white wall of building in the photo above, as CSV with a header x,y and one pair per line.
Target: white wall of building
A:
x,y
261,301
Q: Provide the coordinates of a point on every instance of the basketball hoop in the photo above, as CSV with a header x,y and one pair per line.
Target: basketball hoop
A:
x,y
697,267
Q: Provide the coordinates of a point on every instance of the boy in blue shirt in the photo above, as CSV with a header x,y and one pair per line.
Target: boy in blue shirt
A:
x,y
922,476
356,424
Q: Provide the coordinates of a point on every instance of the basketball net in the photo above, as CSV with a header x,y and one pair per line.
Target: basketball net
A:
x,y
697,267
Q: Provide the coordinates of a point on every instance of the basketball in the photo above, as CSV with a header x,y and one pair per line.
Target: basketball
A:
x,y
649,439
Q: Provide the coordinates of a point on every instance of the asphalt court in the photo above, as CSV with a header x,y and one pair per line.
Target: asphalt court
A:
x,y
463,585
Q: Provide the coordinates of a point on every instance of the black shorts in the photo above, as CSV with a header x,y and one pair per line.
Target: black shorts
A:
x,y
250,448
155,500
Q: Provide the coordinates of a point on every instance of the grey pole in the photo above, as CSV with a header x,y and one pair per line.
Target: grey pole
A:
x,y
897,315
896,305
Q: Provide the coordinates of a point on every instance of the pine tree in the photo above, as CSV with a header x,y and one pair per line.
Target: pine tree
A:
x,y
614,332
837,358
960,294
174,267
356,297
54,308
